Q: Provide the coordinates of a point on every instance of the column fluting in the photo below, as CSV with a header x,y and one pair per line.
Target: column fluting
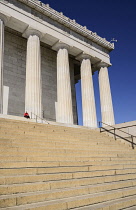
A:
x,y
64,98
88,99
1,63
105,97
33,92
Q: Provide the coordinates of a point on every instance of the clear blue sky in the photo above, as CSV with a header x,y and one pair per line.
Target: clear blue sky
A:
x,y
110,19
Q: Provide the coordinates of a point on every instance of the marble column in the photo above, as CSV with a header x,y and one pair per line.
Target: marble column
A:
x,y
33,92
105,96
64,98
88,99
1,63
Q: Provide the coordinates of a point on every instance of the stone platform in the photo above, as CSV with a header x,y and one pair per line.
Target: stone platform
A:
x,y
46,166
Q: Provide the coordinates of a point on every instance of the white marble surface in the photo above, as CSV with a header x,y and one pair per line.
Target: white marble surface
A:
x,y
88,100
64,98
33,92
105,97
1,63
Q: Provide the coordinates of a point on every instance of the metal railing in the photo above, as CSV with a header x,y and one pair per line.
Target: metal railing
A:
x,y
113,131
37,117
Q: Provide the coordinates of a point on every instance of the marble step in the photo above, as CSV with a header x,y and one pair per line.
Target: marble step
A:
x,y
32,178
12,164
127,203
79,201
29,151
59,169
56,146
61,184
56,136
56,156
34,197
65,158
6,143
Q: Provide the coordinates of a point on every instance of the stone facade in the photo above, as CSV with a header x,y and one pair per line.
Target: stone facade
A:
x,y
49,82
15,71
15,76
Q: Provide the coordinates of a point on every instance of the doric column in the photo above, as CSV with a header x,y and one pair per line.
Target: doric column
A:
x,y
88,99
64,98
33,92
105,96
3,21
1,63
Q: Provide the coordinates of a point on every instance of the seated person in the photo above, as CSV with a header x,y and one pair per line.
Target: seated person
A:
x,y
26,115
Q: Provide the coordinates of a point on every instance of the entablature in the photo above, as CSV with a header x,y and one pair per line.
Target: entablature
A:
x,y
72,24
21,21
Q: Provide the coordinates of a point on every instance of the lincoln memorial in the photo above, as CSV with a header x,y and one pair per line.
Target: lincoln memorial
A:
x,y
43,54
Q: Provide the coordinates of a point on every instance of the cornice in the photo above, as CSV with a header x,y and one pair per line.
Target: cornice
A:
x,y
59,17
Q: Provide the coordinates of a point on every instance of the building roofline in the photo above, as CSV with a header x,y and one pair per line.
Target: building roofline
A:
x,y
59,17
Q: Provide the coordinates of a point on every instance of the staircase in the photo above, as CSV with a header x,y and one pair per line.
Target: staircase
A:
x,y
51,167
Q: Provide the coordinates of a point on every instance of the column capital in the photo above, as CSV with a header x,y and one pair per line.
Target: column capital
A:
x,y
4,17
102,64
31,31
84,55
60,45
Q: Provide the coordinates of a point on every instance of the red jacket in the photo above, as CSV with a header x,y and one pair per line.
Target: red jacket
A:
x,y
26,114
